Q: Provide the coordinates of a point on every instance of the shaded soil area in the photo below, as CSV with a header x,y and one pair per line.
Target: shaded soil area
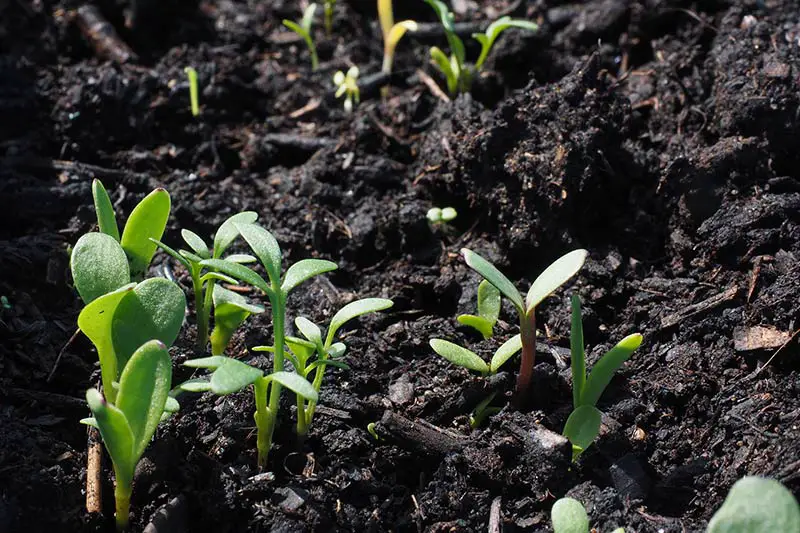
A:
x,y
659,135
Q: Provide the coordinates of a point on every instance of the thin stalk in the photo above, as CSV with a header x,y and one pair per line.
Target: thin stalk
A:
x,y
527,328
200,310
122,496
264,422
278,302
328,8
302,419
317,384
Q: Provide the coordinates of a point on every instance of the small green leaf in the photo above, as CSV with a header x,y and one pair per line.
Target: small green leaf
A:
x,y
353,310
569,516
211,363
241,258
578,357
309,330
295,383
143,390
582,427
106,219
230,312
239,272
494,30
505,352
483,326
302,348
172,405
459,356
117,436
308,17
446,18
148,220
99,266
185,261
218,276
445,66
757,505
604,369
155,309
193,385
327,362
232,376
337,349
554,276
265,247
488,302
190,256
303,270
90,421
495,277
196,243
228,231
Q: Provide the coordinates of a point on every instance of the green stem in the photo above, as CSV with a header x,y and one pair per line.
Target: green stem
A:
x,y
302,423
267,428
319,374
527,327
122,496
265,423
200,310
328,18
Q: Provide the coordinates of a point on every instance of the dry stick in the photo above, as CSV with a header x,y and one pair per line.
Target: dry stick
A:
x,y
495,517
420,434
94,471
61,354
105,41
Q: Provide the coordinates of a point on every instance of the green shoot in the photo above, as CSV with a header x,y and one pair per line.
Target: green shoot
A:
x,y
347,86
583,424
311,355
203,279
371,430
558,273
392,33
106,219
328,6
194,91
231,375
436,215
756,505
147,221
268,251
127,426
483,411
458,74
303,29
230,312
569,516
460,356
488,310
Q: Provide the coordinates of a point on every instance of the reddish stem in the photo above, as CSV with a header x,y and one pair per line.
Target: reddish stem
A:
x,y
527,328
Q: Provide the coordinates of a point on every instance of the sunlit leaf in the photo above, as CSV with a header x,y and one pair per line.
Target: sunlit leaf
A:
x,y
147,220
459,355
230,312
238,271
303,270
554,276
295,383
106,219
232,376
353,310
228,231
99,266
309,330
505,352
495,277
116,433
196,243
604,369
757,505
494,30
483,326
582,427
173,253
265,247
569,516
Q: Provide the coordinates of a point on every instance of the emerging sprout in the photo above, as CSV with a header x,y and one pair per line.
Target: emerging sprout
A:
x,y
756,505
569,516
194,92
488,310
437,215
458,74
230,312
303,29
483,411
371,430
204,279
128,425
583,424
328,6
311,355
392,33
558,273
347,86
468,359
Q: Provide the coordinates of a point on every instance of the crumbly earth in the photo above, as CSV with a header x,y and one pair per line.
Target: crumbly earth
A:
x,y
660,135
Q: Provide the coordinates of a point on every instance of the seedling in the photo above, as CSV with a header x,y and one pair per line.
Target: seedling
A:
x,y
303,29
488,310
127,425
457,72
392,33
194,92
460,356
371,430
311,356
231,375
583,425
268,251
328,6
204,281
756,505
483,411
558,273
437,215
347,86
569,516
230,312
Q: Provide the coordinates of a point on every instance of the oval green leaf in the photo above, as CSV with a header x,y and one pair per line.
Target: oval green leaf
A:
x,y
232,376
569,516
756,505
554,276
296,383
480,324
604,369
196,243
505,352
265,247
309,330
459,356
582,427
117,435
353,310
228,231
106,219
148,220
98,265
495,277
488,302
303,270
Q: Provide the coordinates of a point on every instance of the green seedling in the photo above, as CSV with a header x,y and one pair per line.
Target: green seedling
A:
x,y
121,321
555,275
194,91
204,279
230,312
127,425
569,516
488,310
303,29
347,86
757,505
392,33
277,289
328,7
457,72
437,215
460,356
583,424
231,375
483,411
311,356
371,430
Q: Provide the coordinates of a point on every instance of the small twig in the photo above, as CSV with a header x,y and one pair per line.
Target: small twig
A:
x,y
757,372
495,517
61,354
102,35
700,307
421,435
94,472
433,86
76,167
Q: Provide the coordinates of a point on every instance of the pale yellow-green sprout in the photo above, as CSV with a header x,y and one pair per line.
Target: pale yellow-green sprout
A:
x,y
392,33
347,86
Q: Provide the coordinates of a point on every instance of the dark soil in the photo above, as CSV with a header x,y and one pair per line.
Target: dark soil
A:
x,y
660,135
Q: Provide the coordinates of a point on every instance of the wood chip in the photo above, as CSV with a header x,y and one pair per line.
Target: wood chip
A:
x,y
694,309
748,339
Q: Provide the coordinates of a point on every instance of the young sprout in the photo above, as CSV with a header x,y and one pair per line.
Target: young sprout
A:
x,y
756,505
583,424
392,33
230,312
277,289
488,310
303,29
203,279
569,516
311,356
127,426
458,74
460,356
328,6
558,273
347,86
194,92
437,215
371,430
483,411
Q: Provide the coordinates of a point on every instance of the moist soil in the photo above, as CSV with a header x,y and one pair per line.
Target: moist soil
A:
x,y
662,136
